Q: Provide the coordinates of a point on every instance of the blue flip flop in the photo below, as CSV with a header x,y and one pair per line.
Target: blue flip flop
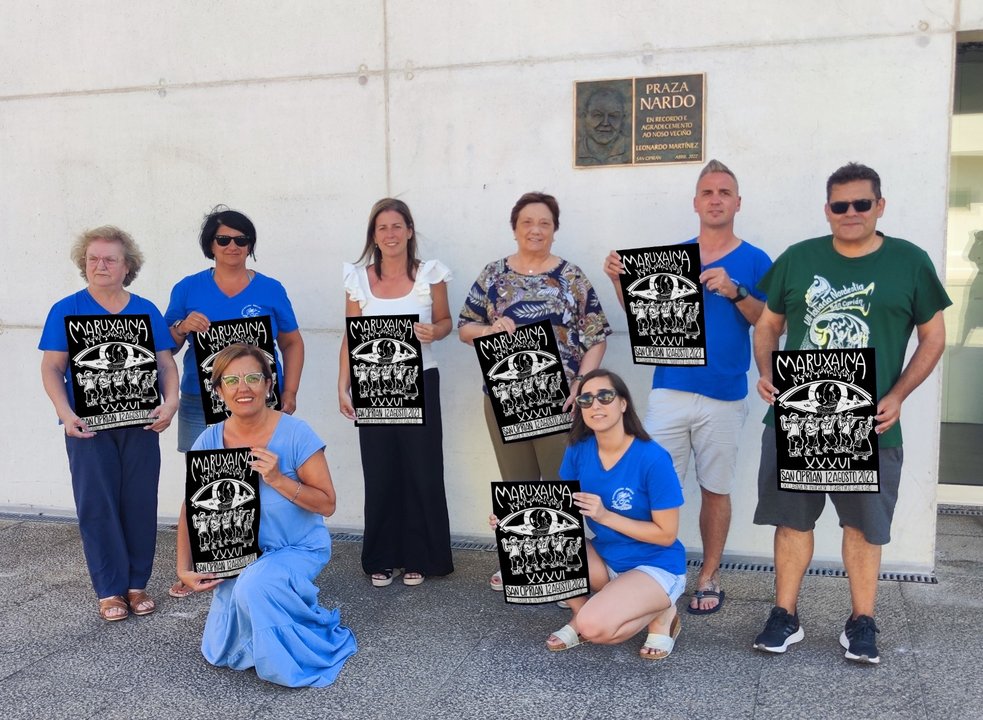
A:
x,y
700,594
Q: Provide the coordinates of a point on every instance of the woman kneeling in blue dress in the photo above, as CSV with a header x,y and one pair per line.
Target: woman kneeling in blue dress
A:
x,y
269,617
630,496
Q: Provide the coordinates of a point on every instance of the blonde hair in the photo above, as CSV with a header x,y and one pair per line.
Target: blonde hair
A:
x,y
131,252
715,166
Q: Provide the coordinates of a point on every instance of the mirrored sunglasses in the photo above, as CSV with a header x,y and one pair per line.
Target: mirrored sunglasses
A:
x,y
605,397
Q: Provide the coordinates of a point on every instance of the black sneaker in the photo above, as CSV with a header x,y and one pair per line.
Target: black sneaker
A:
x,y
780,631
858,639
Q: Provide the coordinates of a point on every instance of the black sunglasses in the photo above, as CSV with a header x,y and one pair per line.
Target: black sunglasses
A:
x,y
840,207
241,240
605,397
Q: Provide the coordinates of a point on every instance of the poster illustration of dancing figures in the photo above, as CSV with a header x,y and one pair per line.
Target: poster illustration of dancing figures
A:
x,y
824,420
664,305
113,367
542,549
256,331
385,362
222,510
525,381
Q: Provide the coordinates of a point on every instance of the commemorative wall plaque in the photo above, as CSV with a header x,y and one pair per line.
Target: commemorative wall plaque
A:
x,y
664,304
542,548
525,381
824,420
639,121
113,366
669,119
385,363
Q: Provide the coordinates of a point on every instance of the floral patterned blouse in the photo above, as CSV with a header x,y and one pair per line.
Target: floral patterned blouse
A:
x,y
563,295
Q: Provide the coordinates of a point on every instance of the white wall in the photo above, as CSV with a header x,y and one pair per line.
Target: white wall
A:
x,y
302,114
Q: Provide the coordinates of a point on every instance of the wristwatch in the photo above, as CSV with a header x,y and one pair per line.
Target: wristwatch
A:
x,y
742,292
176,325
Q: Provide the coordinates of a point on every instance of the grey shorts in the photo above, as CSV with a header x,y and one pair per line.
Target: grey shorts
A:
x,y
870,513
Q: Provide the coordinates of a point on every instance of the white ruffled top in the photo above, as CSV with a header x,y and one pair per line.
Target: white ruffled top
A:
x,y
417,301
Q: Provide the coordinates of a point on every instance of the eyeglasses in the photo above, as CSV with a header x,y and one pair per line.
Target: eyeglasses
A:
x,y
840,207
239,240
109,262
605,397
231,381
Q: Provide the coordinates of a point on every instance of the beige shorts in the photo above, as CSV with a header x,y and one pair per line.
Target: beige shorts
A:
x,y
689,424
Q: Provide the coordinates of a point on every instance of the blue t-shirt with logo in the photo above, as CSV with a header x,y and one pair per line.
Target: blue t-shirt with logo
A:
x,y
724,377
641,481
262,296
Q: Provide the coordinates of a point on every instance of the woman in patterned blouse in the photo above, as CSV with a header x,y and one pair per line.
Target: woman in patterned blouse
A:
x,y
530,285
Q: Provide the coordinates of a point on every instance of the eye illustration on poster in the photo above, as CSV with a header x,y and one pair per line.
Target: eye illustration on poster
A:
x,y
525,381
824,420
222,509
664,305
385,361
256,331
113,368
542,549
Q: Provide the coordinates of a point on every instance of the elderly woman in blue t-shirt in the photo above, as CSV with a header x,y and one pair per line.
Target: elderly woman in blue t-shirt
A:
x,y
114,471
630,496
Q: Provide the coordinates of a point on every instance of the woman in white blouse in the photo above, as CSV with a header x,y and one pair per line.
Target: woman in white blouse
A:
x,y
406,525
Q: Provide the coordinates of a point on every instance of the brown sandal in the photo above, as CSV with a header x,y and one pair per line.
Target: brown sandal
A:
x,y
116,602
138,598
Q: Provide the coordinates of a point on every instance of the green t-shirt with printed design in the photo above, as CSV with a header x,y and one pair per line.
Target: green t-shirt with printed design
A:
x,y
831,301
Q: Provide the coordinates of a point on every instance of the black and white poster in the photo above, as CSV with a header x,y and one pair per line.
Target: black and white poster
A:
x,y
113,364
256,331
525,381
542,548
664,305
385,361
222,510
824,420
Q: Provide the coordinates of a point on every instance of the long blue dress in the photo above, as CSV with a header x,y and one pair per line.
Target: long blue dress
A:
x,y
269,617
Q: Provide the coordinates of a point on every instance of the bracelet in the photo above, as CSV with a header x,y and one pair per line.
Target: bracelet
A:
x,y
299,486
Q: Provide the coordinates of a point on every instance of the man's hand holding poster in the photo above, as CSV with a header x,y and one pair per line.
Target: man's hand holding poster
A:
x,y
525,381
664,304
222,510
542,549
824,420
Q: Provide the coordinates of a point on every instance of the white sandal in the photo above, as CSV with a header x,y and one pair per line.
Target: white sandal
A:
x,y
566,635
386,576
662,643
496,582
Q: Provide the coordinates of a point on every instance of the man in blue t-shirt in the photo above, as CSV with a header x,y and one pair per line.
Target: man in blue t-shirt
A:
x,y
699,411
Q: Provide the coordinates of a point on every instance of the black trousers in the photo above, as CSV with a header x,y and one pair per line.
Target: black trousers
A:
x,y
406,524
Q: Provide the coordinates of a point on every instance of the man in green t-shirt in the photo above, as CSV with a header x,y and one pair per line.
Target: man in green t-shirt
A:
x,y
854,288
